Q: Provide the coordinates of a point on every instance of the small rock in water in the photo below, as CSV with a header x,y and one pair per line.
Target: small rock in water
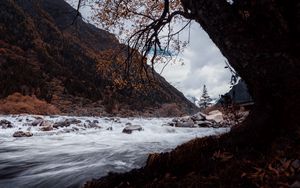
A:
x,y
61,124
91,125
72,121
46,126
117,121
198,117
185,124
67,122
114,119
37,122
175,120
109,129
95,121
204,123
129,129
128,124
22,134
4,124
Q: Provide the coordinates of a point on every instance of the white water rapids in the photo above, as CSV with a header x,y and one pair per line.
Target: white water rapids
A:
x,y
66,157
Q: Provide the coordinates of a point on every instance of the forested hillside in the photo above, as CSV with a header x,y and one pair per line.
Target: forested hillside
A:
x,y
47,53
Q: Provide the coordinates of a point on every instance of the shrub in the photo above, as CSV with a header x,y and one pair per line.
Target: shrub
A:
x,y
18,103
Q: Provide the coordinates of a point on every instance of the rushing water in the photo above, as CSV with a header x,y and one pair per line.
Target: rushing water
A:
x,y
67,158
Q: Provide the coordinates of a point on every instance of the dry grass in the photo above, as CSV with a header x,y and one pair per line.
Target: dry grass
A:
x,y
18,103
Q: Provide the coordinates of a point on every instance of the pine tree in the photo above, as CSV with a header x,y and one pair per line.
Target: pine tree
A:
x,y
205,98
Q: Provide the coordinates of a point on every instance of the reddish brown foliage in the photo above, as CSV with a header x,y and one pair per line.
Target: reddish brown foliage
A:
x,y
18,103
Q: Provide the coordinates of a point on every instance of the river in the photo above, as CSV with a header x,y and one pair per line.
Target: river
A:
x,y
68,157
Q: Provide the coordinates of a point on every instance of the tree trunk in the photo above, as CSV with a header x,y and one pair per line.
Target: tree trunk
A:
x,y
260,39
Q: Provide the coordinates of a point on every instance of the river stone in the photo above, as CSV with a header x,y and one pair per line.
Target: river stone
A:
x,y
175,120
198,117
188,124
46,126
130,128
204,123
91,125
4,124
22,134
37,122
62,124
117,120
67,122
172,124
95,121
72,121
216,116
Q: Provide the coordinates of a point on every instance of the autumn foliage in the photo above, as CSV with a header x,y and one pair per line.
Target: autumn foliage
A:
x,y
18,103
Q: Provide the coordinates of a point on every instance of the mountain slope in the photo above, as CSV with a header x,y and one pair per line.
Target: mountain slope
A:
x,y
72,66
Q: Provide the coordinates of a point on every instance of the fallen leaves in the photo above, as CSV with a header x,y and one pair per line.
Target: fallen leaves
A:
x,y
222,156
278,172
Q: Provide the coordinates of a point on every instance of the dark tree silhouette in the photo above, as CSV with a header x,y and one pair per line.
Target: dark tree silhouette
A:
x,y
205,98
260,39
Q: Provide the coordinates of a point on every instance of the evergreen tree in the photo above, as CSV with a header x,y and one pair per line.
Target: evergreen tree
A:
x,y
205,98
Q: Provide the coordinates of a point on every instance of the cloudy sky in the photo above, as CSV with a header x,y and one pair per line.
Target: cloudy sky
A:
x,y
203,64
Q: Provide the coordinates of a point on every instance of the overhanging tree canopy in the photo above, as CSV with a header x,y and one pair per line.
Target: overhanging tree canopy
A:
x,y
260,39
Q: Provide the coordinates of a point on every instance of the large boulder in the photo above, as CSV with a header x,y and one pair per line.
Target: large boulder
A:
x,y
216,116
4,124
130,128
22,134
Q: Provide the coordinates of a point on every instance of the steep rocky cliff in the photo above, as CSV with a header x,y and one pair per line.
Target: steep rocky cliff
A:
x,y
72,66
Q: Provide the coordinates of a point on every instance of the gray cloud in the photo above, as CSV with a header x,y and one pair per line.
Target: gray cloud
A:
x,y
203,64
